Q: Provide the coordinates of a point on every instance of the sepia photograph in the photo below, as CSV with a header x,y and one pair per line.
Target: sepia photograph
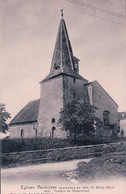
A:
x,y
63,96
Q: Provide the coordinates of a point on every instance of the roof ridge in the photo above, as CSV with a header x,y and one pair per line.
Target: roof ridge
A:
x,y
34,100
105,92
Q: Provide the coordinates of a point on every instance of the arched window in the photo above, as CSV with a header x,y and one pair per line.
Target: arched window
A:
x,y
56,66
53,129
74,80
22,133
53,120
106,117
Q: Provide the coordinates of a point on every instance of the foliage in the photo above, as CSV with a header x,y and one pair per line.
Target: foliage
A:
x,y
30,144
4,116
18,145
77,117
103,167
114,129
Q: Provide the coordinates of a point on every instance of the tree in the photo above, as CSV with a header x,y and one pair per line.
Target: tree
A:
x,y
4,116
77,117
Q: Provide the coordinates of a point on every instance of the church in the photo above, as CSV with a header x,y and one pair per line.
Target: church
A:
x,y
62,85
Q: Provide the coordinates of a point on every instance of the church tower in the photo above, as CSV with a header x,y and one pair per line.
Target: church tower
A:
x,y
63,84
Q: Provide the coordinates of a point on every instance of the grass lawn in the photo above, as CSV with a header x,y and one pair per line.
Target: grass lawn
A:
x,y
109,166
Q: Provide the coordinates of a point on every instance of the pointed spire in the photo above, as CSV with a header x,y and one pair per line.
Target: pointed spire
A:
x,y
63,60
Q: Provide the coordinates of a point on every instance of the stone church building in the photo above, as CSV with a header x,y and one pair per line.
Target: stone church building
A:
x,y
63,84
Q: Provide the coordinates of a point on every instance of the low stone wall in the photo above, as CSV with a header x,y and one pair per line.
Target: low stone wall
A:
x,y
60,154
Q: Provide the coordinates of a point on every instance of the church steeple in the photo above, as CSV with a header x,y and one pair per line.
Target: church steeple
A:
x,y
63,61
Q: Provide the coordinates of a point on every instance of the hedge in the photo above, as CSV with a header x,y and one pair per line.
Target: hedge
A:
x,y
18,145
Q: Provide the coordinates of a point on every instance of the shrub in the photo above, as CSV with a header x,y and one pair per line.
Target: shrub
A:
x,y
18,145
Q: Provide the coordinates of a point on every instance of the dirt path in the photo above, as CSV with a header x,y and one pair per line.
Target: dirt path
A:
x,y
44,174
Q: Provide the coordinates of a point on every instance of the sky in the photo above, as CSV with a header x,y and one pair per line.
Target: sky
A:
x,y
29,29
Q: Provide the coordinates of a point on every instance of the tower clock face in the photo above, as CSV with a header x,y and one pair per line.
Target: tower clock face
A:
x,y
56,66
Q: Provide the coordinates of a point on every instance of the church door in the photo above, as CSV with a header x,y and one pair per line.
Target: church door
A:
x,y
53,128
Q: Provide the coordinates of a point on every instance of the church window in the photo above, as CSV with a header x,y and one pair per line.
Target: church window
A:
x,y
76,65
56,66
22,133
106,117
74,95
53,120
74,80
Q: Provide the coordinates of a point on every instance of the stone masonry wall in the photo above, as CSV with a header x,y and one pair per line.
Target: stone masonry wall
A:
x,y
73,89
28,128
60,154
104,102
51,101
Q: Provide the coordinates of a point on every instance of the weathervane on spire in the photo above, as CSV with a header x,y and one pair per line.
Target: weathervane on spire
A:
x,y
61,13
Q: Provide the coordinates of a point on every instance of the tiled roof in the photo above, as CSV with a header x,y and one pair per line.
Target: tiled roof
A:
x,y
28,114
63,54
76,59
95,82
